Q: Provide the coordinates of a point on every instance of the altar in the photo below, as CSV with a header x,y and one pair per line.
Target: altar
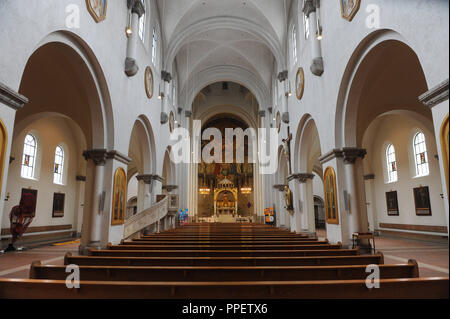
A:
x,y
226,201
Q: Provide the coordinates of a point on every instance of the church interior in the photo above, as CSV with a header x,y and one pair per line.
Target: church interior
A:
x,y
210,149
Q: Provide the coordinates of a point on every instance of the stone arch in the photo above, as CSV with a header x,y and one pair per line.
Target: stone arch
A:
x,y
75,55
142,147
231,74
406,82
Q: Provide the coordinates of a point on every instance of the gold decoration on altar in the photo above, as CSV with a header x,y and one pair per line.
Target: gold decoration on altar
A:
x,y
226,205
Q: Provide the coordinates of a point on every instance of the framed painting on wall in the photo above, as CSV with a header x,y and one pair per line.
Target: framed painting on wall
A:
x,y
119,197
58,205
32,205
392,203
422,201
331,207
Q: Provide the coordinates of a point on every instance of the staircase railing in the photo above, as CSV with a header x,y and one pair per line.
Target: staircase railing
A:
x,y
146,218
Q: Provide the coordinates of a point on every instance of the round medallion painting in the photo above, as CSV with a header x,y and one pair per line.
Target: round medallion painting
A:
x,y
149,82
171,122
300,83
278,122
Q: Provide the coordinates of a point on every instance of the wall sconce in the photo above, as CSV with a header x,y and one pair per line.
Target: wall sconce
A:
x,y
7,197
128,32
160,94
128,29
319,32
289,91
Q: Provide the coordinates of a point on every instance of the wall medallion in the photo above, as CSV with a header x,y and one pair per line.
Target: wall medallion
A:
x,y
300,83
171,122
149,82
278,122
97,9
349,8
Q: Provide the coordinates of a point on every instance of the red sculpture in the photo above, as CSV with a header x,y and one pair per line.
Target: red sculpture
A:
x,y
21,217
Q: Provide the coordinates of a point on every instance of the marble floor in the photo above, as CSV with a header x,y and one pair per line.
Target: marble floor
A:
x,y
433,258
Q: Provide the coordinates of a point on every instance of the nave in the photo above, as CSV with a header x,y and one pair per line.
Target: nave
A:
x,y
217,261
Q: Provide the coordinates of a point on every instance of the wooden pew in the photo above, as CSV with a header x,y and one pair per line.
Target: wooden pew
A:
x,y
419,288
224,239
224,242
227,247
224,261
223,253
287,273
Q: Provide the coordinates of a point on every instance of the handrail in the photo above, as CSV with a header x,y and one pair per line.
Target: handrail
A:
x,y
138,222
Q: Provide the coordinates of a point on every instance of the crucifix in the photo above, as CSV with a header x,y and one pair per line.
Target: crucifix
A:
x,y
287,147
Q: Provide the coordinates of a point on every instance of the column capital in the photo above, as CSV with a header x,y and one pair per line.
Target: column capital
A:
x,y
170,188
348,154
98,156
280,187
166,76
11,98
146,178
157,178
282,76
262,113
149,178
187,113
80,178
136,6
436,95
351,154
119,157
301,177
310,6
369,177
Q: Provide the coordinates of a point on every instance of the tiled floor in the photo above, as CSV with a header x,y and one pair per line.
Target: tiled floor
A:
x,y
433,258
17,264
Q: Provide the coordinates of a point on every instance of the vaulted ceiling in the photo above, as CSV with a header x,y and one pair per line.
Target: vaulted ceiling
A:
x,y
228,34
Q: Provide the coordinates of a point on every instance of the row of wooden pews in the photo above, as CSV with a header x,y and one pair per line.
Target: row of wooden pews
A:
x,y
226,261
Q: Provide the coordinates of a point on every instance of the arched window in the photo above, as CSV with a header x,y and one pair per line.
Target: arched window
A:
x,y
141,29
59,165
421,155
29,156
391,164
294,45
154,47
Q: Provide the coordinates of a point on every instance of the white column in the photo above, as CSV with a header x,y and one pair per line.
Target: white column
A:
x,y
166,77
310,9
137,10
371,203
283,78
95,214
81,180
355,190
